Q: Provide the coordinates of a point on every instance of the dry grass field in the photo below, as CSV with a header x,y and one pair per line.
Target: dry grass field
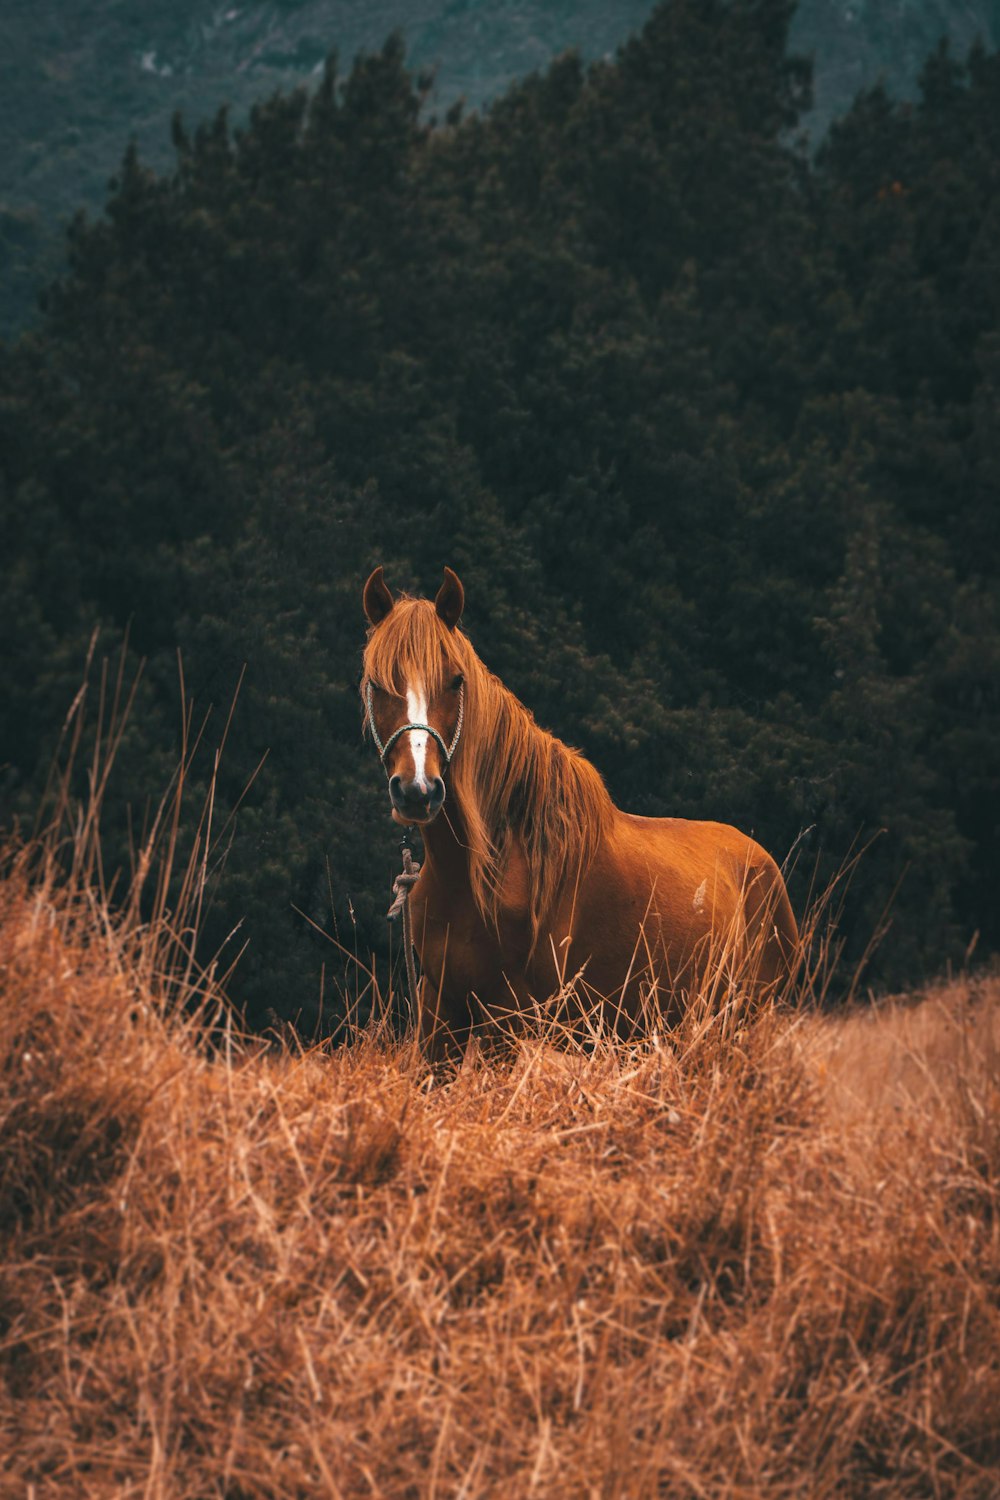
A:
x,y
756,1257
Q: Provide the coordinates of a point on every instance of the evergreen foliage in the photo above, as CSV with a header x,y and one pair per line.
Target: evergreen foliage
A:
x,y
708,430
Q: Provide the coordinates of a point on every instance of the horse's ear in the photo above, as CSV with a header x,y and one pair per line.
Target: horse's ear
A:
x,y
378,600
450,599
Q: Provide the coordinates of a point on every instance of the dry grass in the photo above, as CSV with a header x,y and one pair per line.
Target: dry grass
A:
x,y
751,1259
758,1256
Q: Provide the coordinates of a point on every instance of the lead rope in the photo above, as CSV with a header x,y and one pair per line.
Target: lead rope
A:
x,y
401,888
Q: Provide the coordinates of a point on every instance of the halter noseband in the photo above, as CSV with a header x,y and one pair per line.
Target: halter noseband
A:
x,y
446,750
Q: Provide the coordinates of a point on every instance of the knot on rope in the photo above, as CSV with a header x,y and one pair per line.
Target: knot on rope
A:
x,y
401,890
402,885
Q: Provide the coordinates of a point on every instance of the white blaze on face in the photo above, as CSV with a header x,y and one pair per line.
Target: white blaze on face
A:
x,y
416,710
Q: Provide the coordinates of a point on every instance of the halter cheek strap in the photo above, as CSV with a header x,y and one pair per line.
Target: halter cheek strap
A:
x,y
446,750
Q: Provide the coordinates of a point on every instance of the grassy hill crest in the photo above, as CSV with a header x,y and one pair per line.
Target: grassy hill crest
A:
x,y
757,1255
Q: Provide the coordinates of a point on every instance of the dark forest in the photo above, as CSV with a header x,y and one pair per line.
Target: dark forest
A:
x,y
707,425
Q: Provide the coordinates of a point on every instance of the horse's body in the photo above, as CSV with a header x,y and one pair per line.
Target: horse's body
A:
x,y
533,882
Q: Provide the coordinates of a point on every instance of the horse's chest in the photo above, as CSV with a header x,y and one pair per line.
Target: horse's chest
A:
x,y
461,953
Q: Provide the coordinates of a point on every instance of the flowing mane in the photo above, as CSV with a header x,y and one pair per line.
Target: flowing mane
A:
x,y
510,779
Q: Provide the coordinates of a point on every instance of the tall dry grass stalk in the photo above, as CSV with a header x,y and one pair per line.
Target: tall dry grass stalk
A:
x,y
757,1256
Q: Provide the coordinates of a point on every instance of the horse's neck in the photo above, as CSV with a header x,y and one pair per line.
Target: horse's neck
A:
x,y
445,844
446,854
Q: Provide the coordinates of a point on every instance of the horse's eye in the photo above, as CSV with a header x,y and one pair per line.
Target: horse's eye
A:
x,y
456,682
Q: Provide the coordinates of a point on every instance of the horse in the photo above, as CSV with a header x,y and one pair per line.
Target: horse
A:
x,y
534,884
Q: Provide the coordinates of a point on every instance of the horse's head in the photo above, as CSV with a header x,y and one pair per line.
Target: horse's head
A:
x,y
414,691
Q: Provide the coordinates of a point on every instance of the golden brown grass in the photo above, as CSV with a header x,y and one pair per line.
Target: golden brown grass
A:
x,y
756,1257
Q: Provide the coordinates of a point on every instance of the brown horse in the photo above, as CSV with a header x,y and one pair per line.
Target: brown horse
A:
x,y
532,878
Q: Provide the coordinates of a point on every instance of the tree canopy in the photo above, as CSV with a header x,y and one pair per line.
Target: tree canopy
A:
x,y
708,428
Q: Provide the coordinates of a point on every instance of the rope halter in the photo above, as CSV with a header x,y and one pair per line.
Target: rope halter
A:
x,y
446,750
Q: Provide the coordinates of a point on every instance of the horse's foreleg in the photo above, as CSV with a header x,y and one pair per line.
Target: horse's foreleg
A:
x,y
443,1025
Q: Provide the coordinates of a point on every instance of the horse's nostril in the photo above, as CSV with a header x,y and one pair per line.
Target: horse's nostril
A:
x,y
436,794
404,795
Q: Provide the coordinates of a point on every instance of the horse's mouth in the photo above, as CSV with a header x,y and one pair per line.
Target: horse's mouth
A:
x,y
415,819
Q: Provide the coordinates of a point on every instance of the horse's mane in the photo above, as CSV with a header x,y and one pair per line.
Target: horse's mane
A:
x,y
511,779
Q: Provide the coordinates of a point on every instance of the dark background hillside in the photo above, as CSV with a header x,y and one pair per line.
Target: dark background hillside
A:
x,y
78,79
707,423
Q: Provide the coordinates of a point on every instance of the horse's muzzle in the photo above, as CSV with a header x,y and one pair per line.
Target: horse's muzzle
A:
x,y
411,804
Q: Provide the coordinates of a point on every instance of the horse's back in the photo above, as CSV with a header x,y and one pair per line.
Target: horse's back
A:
x,y
694,861
688,895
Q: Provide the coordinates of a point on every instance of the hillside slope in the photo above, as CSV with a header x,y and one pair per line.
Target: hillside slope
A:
x,y
728,1260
